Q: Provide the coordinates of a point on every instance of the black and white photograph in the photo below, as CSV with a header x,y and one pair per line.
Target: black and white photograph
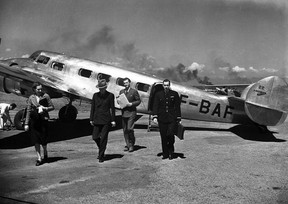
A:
x,y
144,101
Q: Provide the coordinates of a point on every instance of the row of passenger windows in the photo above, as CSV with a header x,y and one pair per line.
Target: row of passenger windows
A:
x,y
87,73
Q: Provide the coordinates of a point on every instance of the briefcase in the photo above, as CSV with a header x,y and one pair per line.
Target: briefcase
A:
x,y
179,131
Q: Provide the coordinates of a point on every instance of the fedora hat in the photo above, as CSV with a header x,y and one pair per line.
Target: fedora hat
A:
x,y
101,84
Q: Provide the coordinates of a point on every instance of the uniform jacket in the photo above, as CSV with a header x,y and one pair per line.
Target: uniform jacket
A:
x,y
133,97
167,106
33,105
102,108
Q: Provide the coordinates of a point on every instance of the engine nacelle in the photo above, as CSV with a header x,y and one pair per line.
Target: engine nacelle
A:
x,y
266,101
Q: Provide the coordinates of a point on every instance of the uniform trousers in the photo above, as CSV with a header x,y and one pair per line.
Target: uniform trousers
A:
x,y
167,137
100,136
128,129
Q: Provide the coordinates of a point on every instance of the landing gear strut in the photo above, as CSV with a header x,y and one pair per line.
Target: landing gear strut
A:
x,y
19,119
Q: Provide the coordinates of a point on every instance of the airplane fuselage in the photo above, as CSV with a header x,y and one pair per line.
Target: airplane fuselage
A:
x,y
79,77
263,102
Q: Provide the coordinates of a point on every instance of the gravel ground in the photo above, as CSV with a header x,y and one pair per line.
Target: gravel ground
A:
x,y
215,163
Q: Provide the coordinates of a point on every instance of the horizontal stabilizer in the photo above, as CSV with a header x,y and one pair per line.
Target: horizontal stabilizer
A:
x,y
266,101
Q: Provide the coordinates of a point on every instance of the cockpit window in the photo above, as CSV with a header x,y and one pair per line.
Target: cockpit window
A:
x,y
43,59
57,66
85,72
35,55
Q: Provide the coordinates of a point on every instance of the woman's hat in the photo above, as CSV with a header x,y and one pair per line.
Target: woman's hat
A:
x,y
101,84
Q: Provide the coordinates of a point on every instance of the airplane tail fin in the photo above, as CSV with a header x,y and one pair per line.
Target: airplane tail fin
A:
x,y
266,101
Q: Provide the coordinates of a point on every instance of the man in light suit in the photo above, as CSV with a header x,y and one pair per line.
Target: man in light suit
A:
x,y
129,114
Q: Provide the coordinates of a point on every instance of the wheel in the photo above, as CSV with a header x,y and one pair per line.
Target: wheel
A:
x,y
19,119
68,113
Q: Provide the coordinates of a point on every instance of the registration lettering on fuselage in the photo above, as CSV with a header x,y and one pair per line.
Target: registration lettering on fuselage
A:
x,y
205,107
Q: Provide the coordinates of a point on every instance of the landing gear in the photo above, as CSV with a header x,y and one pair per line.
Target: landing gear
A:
x,y
68,113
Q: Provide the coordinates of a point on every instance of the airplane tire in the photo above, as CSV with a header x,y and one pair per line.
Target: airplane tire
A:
x,y
19,119
68,113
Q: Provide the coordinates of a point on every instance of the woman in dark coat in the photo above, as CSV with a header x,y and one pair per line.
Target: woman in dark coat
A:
x,y
39,104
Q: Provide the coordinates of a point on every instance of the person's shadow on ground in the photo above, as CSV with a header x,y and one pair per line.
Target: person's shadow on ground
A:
x,y
175,155
54,159
108,157
57,131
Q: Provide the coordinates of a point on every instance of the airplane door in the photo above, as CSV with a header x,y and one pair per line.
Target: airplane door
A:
x,y
155,88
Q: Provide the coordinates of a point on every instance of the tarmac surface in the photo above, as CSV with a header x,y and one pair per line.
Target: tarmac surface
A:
x,y
215,163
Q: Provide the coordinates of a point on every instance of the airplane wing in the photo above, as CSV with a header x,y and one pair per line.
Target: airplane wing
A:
x,y
219,88
226,85
230,86
26,76
53,81
15,72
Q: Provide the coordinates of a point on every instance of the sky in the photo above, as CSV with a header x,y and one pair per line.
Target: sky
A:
x,y
190,41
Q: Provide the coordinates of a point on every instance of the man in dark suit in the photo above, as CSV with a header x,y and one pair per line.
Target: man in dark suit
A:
x,y
166,110
101,116
129,114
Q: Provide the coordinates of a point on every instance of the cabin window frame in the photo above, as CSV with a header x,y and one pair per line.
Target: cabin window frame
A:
x,y
120,81
103,76
142,87
87,73
58,68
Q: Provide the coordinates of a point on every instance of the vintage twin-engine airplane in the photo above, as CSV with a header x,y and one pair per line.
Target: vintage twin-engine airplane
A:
x,y
264,103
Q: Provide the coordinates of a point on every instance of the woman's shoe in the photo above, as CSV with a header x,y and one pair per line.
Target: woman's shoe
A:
x,y
38,162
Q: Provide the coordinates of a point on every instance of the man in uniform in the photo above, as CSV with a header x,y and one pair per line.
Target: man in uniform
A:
x,y
166,110
129,114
